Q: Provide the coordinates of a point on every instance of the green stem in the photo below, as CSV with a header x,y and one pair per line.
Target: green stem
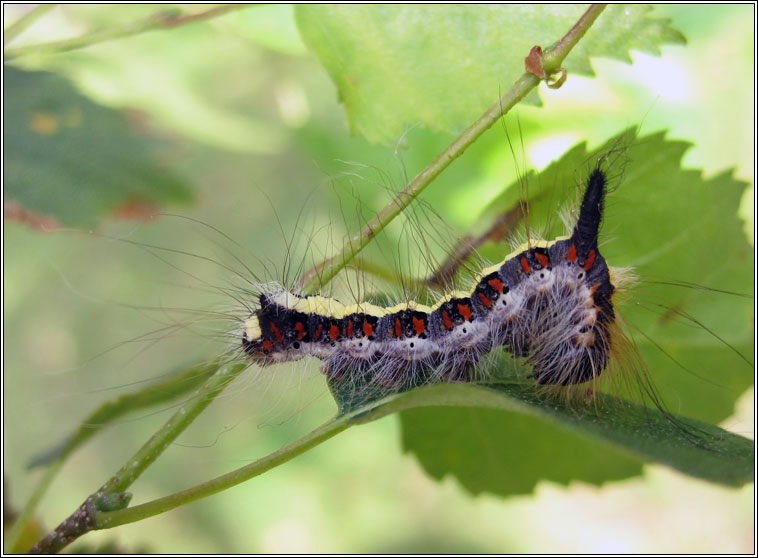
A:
x,y
107,520
25,21
324,272
81,521
160,20
186,414
373,411
172,387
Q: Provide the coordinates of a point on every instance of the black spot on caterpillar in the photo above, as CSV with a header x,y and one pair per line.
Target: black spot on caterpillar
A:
x,y
550,302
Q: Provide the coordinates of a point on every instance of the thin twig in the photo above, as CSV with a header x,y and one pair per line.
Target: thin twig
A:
x,y
25,21
160,20
112,492
172,387
107,520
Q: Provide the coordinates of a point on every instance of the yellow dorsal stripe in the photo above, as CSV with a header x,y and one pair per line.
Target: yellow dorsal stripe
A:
x,y
333,308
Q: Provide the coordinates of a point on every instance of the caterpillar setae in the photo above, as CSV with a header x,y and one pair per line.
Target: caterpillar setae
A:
x,y
550,302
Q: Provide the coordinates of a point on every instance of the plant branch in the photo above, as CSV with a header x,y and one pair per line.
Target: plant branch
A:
x,y
107,520
552,59
172,387
160,20
25,21
111,495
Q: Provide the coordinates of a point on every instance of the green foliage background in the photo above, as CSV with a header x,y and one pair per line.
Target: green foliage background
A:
x,y
237,112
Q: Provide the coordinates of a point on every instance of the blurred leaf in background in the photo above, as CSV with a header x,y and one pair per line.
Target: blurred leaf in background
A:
x,y
75,161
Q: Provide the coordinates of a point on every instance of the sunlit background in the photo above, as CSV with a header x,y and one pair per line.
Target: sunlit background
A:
x,y
241,110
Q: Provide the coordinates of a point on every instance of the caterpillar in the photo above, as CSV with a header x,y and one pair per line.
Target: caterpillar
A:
x,y
550,302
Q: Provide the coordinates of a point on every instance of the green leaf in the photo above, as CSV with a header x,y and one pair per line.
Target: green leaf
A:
x,y
616,436
485,449
73,160
398,66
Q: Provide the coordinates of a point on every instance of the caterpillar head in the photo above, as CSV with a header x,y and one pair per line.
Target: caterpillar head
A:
x,y
274,334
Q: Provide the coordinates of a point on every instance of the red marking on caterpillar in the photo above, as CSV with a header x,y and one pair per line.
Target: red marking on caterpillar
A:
x,y
447,321
590,260
486,301
465,311
368,329
278,337
543,259
560,318
300,329
496,284
525,266
419,326
398,328
334,332
571,256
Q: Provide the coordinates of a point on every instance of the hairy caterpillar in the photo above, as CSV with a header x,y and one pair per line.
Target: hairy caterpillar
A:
x,y
549,302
